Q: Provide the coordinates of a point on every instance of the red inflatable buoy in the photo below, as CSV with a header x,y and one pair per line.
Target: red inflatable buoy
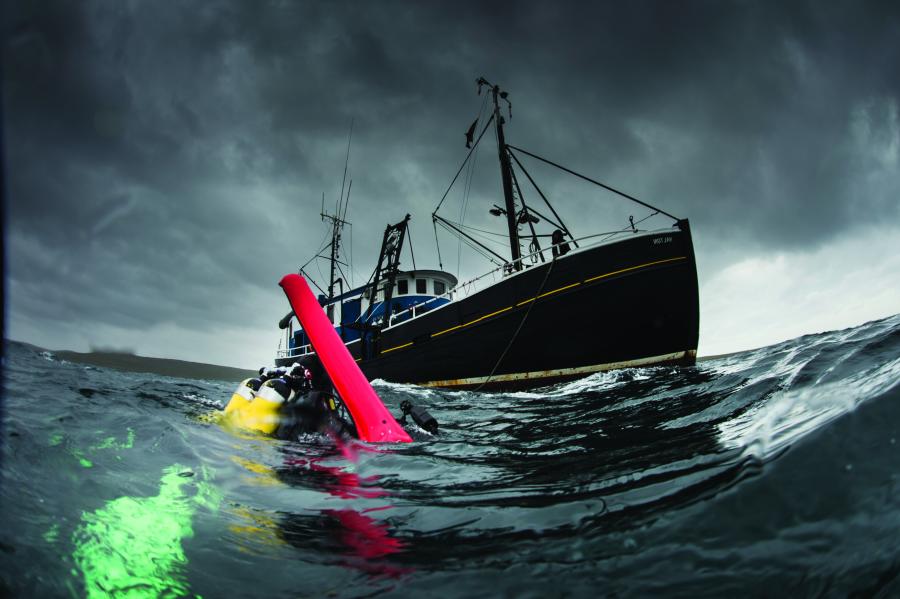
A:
x,y
373,421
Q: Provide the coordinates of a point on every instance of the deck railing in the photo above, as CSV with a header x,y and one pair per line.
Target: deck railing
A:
x,y
295,352
476,284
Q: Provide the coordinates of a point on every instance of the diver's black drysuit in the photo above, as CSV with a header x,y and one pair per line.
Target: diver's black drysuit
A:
x,y
310,405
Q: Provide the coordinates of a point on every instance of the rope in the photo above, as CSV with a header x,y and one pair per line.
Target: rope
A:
x,y
521,324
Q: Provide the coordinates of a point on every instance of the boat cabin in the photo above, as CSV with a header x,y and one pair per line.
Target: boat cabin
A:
x,y
413,293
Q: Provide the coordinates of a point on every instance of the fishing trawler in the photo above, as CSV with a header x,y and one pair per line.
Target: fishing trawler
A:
x,y
561,310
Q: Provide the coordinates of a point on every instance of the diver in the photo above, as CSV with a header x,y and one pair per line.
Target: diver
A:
x,y
310,405
264,375
286,402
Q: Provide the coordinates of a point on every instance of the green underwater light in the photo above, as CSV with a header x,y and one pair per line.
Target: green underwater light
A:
x,y
132,547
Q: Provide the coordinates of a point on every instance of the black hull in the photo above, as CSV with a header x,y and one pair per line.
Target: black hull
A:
x,y
629,303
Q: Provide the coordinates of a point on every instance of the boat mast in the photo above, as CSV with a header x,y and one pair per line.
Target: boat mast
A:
x,y
505,174
337,225
337,220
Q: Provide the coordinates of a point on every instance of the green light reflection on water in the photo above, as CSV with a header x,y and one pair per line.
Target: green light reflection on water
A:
x,y
111,443
52,534
132,547
107,443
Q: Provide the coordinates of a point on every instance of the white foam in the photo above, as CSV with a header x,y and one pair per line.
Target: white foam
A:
x,y
789,415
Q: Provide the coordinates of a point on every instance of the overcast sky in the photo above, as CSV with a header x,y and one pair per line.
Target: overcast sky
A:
x,y
165,161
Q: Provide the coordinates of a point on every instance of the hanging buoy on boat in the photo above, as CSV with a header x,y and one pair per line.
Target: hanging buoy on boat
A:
x,y
373,421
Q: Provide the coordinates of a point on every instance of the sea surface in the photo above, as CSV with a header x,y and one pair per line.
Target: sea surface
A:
x,y
773,472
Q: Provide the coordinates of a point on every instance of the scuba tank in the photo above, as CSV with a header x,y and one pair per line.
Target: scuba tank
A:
x,y
242,396
285,403
256,402
262,413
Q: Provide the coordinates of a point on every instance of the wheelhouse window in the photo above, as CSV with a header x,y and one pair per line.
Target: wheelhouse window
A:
x,y
439,288
421,286
402,287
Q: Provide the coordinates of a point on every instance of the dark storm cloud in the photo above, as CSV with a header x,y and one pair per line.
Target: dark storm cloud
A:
x,y
163,155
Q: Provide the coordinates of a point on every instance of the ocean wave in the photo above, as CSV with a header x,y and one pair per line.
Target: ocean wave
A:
x,y
768,469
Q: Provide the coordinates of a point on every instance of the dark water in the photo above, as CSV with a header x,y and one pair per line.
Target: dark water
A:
x,y
774,472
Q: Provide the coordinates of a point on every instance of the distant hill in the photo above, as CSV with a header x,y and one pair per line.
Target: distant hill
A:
x,y
161,366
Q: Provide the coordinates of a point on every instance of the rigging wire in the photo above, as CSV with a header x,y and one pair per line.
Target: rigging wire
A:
x,y
319,269
482,231
316,255
409,234
344,217
485,231
346,163
479,250
341,270
311,280
589,180
482,236
608,235
347,203
321,243
456,176
467,186
560,224
437,244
